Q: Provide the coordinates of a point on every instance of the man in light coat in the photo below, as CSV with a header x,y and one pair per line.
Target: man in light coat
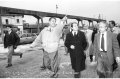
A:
x,y
49,39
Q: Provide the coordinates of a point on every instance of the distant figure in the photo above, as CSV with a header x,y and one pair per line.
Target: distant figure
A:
x,y
95,30
106,50
66,30
49,39
11,40
88,34
18,32
112,25
91,46
76,44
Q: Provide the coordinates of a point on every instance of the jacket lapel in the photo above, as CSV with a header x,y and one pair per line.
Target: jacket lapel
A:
x,y
98,40
108,41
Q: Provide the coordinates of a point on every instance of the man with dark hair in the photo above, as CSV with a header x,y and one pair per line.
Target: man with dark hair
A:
x,y
52,18
49,38
76,43
11,40
112,25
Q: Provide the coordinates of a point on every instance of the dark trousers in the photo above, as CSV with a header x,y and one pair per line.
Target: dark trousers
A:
x,y
76,66
104,68
77,74
91,58
10,53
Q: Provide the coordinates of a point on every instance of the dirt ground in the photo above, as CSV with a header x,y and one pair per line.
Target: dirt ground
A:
x,y
29,67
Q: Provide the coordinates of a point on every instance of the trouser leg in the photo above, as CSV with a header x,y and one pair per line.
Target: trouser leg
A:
x,y
77,74
104,68
10,52
46,59
55,61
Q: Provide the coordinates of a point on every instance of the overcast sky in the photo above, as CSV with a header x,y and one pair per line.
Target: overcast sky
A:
x,y
109,9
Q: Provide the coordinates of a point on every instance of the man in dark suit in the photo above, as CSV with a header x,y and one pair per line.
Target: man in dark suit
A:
x,y
11,41
76,44
106,49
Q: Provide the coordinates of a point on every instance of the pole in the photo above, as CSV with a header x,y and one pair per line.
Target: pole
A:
x,y
56,9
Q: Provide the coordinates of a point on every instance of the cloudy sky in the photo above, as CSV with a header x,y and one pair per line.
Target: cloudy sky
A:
x,y
108,9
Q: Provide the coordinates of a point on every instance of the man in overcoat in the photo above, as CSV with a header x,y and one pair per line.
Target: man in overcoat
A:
x,y
76,44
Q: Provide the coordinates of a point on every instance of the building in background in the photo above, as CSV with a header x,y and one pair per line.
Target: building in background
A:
x,y
14,20
33,28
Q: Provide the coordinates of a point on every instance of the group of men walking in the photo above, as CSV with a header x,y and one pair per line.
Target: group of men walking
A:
x,y
105,48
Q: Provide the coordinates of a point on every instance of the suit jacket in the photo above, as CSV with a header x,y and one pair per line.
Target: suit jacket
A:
x,y
77,55
118,38
79,41
93,34
11,39
112,46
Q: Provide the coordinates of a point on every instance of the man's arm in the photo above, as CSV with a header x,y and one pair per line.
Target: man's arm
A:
x,y
17,38
5,42
67,42
60,25
118,38
94,47
116,48
84,42
38,40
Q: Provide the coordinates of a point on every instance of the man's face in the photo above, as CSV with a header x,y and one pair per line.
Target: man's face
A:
x,y
86,27
111,25
52,22
8,29
75,27
102,27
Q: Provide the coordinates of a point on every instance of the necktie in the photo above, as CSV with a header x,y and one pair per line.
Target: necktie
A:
x,y
74,33
102,42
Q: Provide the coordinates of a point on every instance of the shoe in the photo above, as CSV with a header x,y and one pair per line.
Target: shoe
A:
x,y
9,65
21,55
54,76
49,68
42,68
77,75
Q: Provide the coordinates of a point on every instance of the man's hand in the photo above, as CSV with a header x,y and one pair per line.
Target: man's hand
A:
x,y
64,18
94,58
118,60
72,47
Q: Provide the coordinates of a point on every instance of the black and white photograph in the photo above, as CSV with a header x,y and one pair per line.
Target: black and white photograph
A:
x,y
59,38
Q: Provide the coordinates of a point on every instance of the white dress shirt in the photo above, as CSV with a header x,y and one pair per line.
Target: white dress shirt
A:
x,y
74,32
105,41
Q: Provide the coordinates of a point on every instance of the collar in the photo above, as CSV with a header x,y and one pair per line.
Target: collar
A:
x,y
104,33
9,32
50,28
76,32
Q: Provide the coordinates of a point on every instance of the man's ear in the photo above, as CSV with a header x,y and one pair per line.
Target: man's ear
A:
x,y
106,28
